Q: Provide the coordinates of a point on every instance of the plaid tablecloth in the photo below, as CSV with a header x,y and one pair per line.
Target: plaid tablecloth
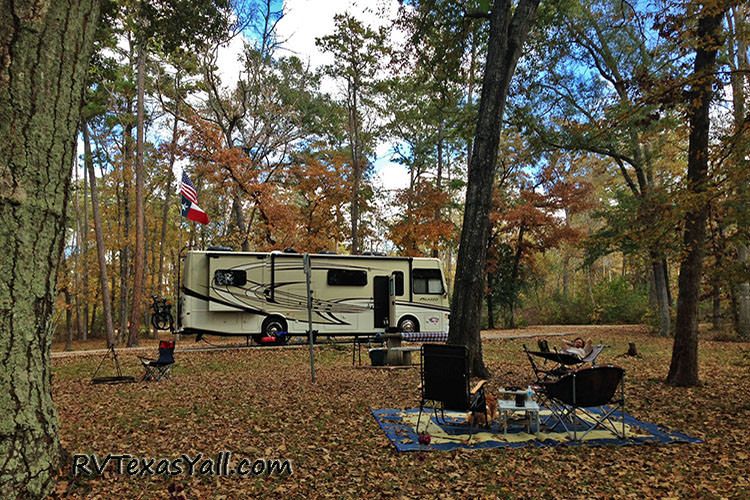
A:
x,y
424,336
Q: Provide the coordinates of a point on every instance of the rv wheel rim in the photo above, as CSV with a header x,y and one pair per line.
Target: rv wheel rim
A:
x,y
408,325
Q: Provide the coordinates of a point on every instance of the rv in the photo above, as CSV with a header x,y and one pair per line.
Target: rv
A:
x,y
263,294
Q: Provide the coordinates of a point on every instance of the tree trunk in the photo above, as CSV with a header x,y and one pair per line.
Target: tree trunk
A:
x,y
490,304
438,180
737,51
68,319
356,151
716,305
99,234
165,207
136,308
661,293
77,264
125,250
683,369
742,296
44,49
239,220
508,32
84,235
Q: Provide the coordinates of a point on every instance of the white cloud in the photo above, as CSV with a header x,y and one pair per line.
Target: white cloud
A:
x,y
228,60
306,20
389,175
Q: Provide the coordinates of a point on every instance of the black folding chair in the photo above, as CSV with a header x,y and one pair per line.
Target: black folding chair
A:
x,y
445,374
581,391
157,369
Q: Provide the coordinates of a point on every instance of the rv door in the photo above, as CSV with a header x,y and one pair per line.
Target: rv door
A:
x,y
392,319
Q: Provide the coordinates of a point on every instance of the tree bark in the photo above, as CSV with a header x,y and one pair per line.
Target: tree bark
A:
x,y
44,51
68,320
99,234
167,201
490,303
716,305
356,152
683,369
508,31
84,236
136,307
737,51
661,293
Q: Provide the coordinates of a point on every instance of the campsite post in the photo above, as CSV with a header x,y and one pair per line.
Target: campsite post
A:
x,y
308,273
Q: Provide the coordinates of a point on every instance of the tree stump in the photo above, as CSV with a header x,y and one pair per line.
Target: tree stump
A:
x,y
632,351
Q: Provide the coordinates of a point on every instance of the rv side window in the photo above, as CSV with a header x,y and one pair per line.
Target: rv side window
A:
x,y
230,277
398,278
427,281
346,277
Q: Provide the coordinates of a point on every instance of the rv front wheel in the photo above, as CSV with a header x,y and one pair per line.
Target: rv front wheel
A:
x,y
408,324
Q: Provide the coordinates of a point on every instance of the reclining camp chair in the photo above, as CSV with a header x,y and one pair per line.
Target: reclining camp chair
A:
x,y
157,369
581,391
445,375
563,359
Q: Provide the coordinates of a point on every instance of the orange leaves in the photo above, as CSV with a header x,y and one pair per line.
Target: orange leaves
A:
x,y
297,202
420,226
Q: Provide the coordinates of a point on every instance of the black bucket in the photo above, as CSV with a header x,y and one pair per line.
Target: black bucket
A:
x,y
521,400
377,356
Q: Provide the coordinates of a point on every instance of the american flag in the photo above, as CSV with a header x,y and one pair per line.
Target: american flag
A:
x,y
189,205
187,189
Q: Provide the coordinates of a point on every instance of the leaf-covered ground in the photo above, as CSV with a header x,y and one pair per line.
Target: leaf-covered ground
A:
x,y
260,403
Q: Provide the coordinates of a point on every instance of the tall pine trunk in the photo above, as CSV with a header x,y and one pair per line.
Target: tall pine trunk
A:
x,y
683,369
44,49
508,31
136,308
99,233
84,235
167,201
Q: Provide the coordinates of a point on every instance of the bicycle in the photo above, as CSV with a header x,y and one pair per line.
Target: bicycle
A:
x,y
161,317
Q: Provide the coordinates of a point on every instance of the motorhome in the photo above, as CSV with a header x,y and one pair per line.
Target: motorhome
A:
x,y
261,294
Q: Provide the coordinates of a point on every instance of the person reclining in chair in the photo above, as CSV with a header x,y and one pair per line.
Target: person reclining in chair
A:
x,y
578,347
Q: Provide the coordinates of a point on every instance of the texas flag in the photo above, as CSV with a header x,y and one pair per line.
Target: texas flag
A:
x,y
190,208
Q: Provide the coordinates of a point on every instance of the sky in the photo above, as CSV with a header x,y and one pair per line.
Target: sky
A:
x,y
303,22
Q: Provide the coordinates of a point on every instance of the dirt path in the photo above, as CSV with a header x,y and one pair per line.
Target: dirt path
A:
x,y
188,344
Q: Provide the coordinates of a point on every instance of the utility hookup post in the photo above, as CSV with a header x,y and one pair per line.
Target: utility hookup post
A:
x,y
308,274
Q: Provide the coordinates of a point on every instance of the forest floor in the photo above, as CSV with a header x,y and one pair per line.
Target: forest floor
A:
x,y
260,403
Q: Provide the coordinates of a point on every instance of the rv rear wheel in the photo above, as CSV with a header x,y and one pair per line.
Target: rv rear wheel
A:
x,y
273,325
408,324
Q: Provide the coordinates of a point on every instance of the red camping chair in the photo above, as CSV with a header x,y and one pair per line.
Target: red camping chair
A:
x,y
157,369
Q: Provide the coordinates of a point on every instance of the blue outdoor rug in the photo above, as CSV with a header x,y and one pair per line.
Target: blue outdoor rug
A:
x,y
400,427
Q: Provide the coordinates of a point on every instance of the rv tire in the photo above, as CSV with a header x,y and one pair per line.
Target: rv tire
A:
x,y
408,324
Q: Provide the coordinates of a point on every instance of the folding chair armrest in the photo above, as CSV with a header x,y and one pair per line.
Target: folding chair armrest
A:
x,y
478,386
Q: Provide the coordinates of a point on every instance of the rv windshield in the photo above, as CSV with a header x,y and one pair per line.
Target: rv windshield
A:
x,y
427,281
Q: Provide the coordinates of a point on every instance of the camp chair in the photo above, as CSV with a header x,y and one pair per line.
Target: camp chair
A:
x,y
157,369
445,381
542,373
585,389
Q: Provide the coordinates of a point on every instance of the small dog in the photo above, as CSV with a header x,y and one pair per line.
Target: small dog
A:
x,y
479,417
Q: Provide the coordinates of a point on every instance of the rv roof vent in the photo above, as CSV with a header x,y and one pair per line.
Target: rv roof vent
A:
x,y
327,252
290,250
219,248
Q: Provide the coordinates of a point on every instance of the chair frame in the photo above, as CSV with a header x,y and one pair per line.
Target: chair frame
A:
x,y
158,369
474,396
565,410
